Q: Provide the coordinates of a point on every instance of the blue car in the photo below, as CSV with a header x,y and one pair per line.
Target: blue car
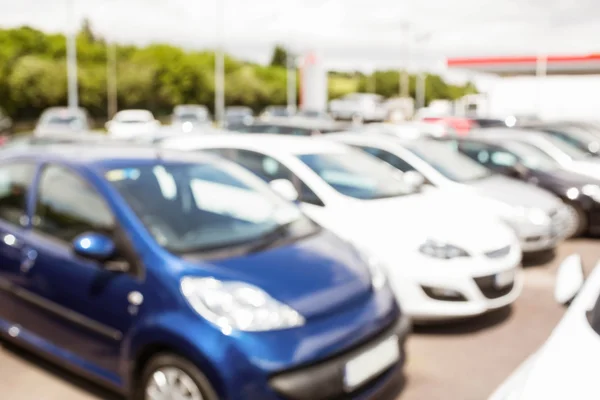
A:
x,y
175,276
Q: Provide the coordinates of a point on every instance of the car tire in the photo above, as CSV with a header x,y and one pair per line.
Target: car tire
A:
x,y
188,376
581,220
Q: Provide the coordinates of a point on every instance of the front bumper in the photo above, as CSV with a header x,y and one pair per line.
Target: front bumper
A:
x,y
472,278
325,380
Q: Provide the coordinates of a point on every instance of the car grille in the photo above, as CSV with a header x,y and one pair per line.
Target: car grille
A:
x,y
498,253
486,285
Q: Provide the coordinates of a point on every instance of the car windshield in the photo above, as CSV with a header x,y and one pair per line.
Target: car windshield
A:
x,y
191,116
531,156
195,208
567,148
358,175
277,111
445,158
238,112
63,120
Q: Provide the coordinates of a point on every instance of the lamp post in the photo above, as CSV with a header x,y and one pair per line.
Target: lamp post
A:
x,y
111,79
220,64
292,94
404,75
422,76
72,90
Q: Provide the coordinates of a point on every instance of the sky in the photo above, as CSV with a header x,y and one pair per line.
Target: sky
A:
x,y
351,34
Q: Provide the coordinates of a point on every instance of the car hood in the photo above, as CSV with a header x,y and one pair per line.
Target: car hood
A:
x,y
562,180
316,276
516,193
567,365
404,223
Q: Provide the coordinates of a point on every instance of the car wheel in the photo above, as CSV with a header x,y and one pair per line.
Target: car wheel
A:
x,y
579,220
168,376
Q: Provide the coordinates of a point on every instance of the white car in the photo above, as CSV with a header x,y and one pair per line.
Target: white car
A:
x,y
566,366
404,130
566,155
439,263
128,124
539,218
361,106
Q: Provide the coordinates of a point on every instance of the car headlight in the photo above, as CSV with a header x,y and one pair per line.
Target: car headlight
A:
x,y
534,215
446,251
239,306
376,269
592,191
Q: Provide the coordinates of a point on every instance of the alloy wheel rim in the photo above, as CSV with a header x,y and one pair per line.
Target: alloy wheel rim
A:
x,y
171,383
574,221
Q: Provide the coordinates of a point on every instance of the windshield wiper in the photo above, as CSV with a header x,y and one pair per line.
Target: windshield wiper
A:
x,y
269,238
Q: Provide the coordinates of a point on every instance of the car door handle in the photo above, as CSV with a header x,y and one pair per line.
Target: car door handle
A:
x,y
29,257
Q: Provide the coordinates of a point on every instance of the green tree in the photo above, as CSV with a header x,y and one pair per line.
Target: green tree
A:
x,y
279,57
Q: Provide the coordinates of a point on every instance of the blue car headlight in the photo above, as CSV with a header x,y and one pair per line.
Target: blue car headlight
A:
x,y
233,305
445,251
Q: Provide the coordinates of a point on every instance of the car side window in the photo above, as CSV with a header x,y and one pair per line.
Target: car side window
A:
x,y
16,181
476,151
269,169
503,158
389,158
68,206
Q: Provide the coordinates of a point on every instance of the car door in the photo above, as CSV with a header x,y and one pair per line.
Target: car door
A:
x,y
74,305
16,180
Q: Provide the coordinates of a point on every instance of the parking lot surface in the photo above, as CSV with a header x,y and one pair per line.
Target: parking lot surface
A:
x,y
463,361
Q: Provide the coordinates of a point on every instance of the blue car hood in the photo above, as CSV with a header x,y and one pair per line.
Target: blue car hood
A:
x,y
316,276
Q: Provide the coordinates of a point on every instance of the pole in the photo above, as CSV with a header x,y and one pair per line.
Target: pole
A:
x,y
111,79
405,77
541,70
420,89
421,85
220,65
291,81
71,58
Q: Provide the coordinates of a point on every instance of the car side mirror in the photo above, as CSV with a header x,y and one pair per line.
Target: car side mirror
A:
x,y
569,279
285,189
414,179
94,246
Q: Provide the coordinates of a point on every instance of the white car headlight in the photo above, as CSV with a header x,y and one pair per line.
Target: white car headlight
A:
x,y
534,215
239,306
446,251
376,269
592,191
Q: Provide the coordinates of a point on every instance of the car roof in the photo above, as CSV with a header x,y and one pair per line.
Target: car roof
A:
x,y
260,142
102,154
65,110
376,139
135,112
301,122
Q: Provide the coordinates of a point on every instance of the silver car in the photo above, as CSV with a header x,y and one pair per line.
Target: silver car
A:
x,y
539,218
59,120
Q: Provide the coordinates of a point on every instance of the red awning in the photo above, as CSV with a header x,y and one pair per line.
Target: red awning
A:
x,y
527,65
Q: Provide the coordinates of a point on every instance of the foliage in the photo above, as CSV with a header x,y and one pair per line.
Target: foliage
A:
x,y
158,77
279,58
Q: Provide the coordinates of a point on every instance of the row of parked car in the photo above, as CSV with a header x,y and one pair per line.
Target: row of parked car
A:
x,y
242,266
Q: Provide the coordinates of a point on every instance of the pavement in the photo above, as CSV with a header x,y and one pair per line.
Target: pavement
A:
x,y
464,361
